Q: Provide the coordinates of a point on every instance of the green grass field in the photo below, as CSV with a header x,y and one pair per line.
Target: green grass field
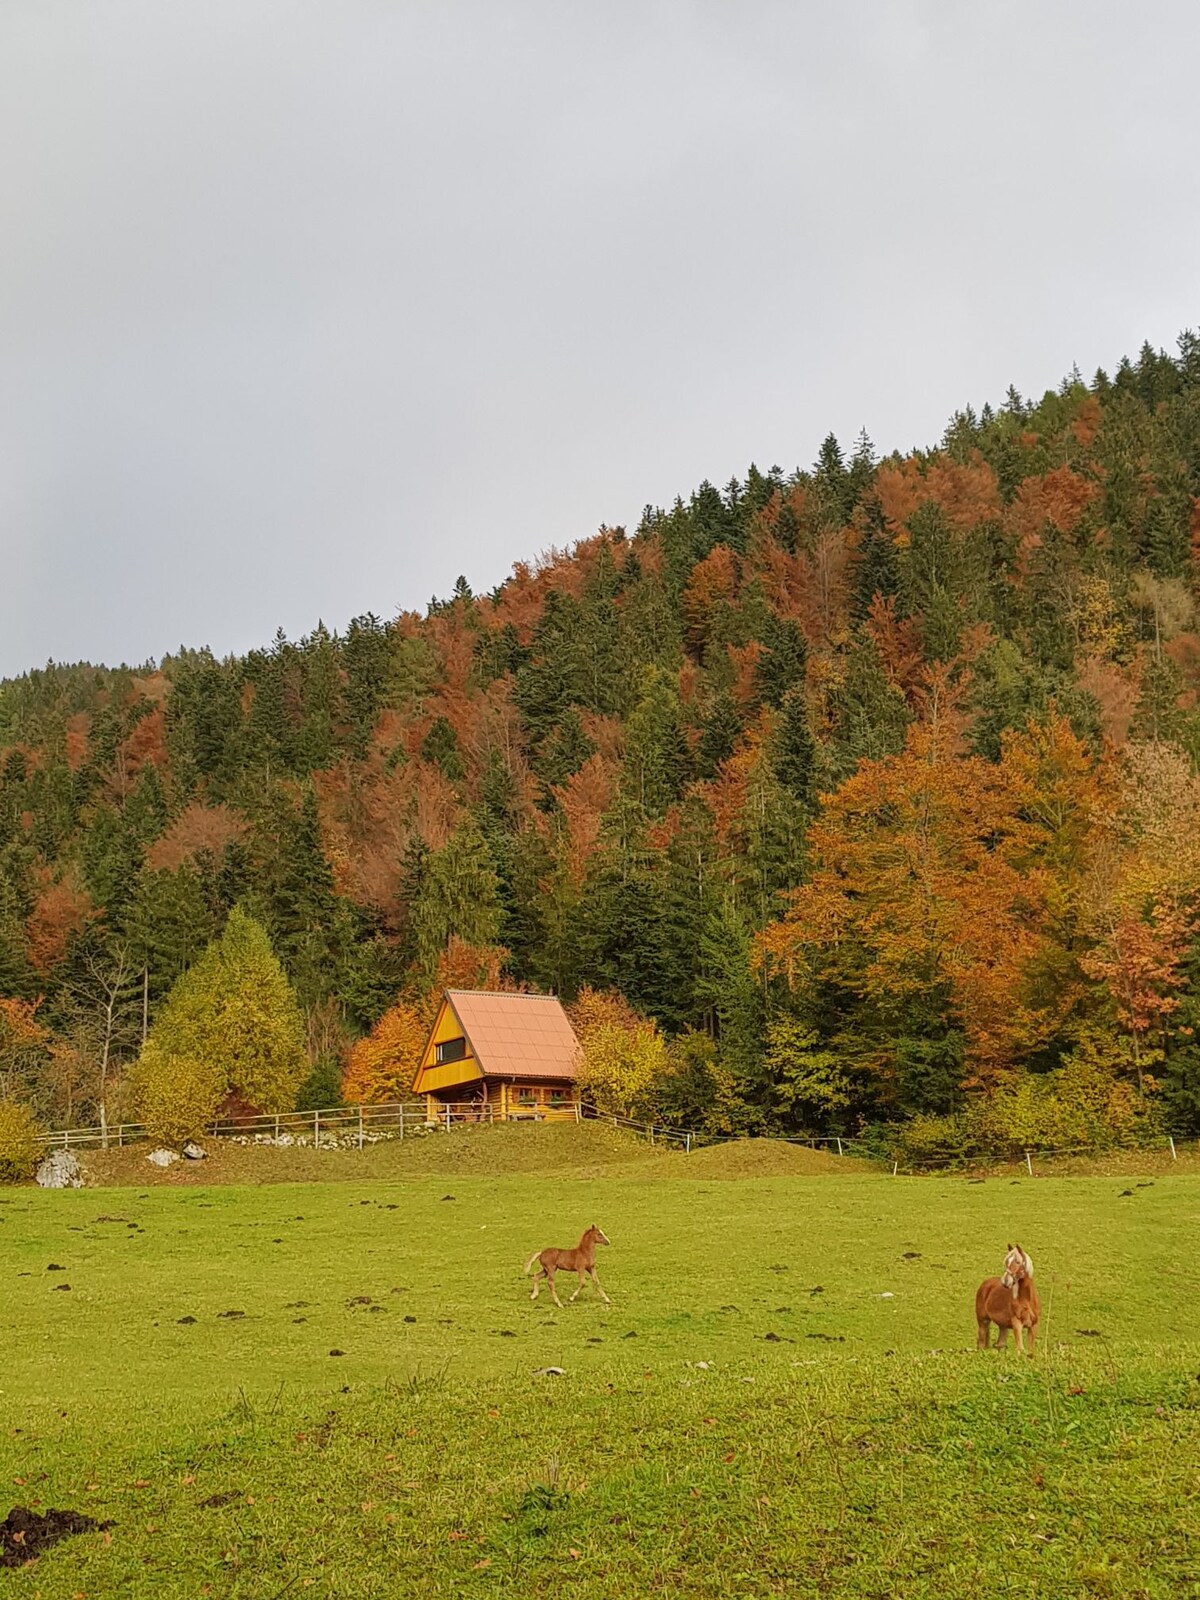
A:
x,y
783,1398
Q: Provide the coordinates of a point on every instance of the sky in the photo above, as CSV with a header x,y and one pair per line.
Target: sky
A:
x,y
309,306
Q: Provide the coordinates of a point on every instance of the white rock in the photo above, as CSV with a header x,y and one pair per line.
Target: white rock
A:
x,y
162,1158
194,1152
60,1170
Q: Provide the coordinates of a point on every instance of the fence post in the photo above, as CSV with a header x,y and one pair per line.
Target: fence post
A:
x,y
401,1122
360,1130
316,1130
578,1112
895,1168
839,1145
1028,1164
687,1148
1171,1142
276,1127
447,1116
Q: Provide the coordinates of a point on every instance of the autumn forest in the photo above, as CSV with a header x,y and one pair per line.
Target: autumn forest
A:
x,y
858,798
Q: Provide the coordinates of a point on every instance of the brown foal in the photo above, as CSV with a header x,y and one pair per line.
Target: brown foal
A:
x,y
1010,1301
581,1260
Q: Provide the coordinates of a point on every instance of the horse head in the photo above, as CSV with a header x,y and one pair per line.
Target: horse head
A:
x,y
597,1235
1017,1265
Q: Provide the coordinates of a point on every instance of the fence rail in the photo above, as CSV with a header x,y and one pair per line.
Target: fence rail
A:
x,y
349,1126
365,1124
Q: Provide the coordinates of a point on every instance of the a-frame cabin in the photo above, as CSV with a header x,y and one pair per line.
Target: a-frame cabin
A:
x,y
500,1057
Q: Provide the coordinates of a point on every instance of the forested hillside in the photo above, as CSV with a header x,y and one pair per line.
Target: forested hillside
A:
x,y
873,786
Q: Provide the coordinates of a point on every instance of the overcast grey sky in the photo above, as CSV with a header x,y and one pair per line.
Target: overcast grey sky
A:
x,y
307,306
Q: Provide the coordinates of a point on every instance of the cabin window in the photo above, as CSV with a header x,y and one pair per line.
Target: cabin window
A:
x,y
451,1050
556,1097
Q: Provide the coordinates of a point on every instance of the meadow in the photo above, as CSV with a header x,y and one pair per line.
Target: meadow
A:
x,y
341,1388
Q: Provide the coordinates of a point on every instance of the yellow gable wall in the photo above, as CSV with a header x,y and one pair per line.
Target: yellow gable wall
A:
x,y
431,1076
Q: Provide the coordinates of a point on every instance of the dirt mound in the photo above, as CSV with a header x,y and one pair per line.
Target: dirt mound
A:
x,y
566,1149
24,1534
767,1158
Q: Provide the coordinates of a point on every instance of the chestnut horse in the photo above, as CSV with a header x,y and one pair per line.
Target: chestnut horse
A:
x,y
1010,1301
581,1260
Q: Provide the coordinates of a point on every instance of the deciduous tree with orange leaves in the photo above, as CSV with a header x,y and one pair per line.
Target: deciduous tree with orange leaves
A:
x,y
933,893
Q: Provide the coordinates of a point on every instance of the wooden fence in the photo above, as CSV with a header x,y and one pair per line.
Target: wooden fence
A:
x,y
362,1125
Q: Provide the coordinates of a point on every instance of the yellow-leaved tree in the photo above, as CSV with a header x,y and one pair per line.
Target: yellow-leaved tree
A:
x,y
19,1148
176,1096
380,1069
622,1054
230,1026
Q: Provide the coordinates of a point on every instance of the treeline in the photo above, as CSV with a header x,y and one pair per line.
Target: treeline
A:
x,y
871,786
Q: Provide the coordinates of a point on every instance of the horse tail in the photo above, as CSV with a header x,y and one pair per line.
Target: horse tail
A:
x,y
529,1264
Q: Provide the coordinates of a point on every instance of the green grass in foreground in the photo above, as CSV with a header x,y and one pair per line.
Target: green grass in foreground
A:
x,y
838,1443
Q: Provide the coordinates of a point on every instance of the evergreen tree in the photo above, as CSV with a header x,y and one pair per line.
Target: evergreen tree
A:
x,y
459,897
719,733
169,923
784,659
794,751
440,748
656,750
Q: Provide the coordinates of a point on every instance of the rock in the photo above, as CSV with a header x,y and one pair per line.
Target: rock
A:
x,y
60,1170
194,1152
162,1158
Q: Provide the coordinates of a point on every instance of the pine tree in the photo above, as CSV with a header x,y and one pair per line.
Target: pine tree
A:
x,y
367,659
784,659
657,759
169,922
440,748
794,752
719,734
459,898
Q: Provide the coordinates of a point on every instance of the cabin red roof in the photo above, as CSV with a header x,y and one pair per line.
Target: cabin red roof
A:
x,y
517,1035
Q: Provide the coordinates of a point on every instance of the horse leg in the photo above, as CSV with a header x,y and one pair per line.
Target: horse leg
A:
x,y
553,1290
582,1281
1001,1335
596,1281
537,1282
985,1333
1019,1330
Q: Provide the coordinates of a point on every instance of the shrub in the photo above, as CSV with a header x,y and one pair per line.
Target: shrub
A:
x,y
698,1092
19,1148
177,1096
935,1140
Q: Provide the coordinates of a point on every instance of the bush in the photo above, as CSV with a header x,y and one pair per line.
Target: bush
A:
x,y
927,1139
1085,1104
19,1147
176,1096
